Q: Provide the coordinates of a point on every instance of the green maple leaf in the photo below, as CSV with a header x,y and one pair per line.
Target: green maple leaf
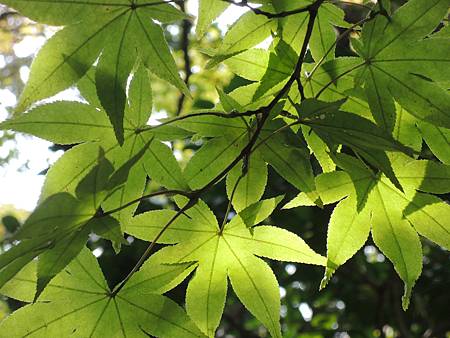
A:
x,y
398,61
81,181
79,302
59,227
231,252
370,203
119,30
73,122
158,162
293,28
249,30
208,10
336,127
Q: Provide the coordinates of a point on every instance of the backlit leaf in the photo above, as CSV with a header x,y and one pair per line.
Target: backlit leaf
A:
x,y
79,300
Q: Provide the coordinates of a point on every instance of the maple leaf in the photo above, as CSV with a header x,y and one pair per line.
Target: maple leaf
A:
x,y
400,61
228,252
370,203
79,302
119,30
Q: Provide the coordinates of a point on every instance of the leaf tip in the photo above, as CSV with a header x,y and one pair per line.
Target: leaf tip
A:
x,y
329,271
323,283
40,286
406,298
318,202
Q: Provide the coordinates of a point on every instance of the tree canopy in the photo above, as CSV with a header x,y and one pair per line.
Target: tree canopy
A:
x,y
367,133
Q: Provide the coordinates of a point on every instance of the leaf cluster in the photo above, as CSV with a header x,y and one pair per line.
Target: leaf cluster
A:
x,y
362,118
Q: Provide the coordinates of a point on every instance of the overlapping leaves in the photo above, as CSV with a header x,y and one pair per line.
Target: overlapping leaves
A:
x,y
119,30
59,227
376,106
399,60
97,173
227,251
283,151
79,302
370,203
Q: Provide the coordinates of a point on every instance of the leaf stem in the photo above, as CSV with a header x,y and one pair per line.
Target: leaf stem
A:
x,y
153,194
339,38
230,201
146,254
184,117
269,15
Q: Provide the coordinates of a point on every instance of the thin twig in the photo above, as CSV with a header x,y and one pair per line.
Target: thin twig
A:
x,y
337,78
185,29
269,15
149,249
339,38
230,201
184,117
153,194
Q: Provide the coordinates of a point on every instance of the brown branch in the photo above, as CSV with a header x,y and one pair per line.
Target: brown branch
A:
x,y
185,29
349,3
244,3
